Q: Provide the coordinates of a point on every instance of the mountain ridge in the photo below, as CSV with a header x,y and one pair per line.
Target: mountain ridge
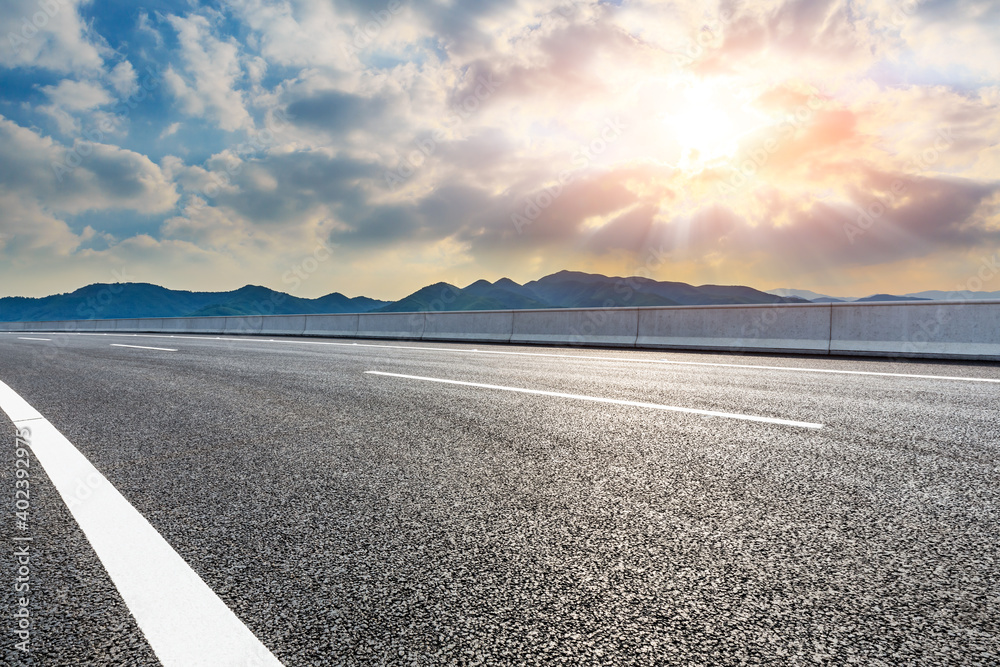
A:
x,y
136,300
564,289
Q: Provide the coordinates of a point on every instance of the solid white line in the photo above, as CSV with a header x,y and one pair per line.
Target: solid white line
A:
x,y
142,347
26,338
186,624
615,401
583,357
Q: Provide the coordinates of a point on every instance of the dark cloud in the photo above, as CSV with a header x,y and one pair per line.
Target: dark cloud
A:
x,y
630,231
433,218
336,111
303,180
81,177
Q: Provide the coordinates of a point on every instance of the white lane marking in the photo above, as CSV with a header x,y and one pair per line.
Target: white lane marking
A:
x,y
26,338
646,361
16,407
615,401
186,624
835,371
142,347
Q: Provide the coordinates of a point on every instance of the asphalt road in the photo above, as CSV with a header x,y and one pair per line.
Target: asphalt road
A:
x,y
353,518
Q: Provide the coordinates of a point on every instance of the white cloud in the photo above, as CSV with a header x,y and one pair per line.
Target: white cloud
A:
x,y
145,25
49,34
170,130
67,123
205,83
123,79
303,33
77,95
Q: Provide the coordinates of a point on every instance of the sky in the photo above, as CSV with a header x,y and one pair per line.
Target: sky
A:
x,y
372,148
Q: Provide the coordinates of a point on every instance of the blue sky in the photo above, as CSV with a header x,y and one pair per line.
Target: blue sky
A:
x,y
844,147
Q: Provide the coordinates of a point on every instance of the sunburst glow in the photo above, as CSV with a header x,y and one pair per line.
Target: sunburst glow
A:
x,y
707,124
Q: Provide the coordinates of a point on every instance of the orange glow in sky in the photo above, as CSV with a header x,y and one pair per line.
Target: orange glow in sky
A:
x,y
843,147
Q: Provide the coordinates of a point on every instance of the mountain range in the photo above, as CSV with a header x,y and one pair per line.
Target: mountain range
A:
x,y
121,300
565,289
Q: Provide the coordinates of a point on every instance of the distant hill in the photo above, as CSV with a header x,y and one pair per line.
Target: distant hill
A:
x,y
815,297
128,300
889,297
935,295
480,295
951,296
574,289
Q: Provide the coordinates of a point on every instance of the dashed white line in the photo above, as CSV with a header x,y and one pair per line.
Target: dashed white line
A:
x,y
649,361
143,347
614,401
26,338
186,624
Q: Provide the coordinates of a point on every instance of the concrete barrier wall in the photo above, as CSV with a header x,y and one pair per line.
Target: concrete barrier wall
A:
x,y
933,329
334,326
784,328
149,325
283,325
960,330
98,326
175,324
49,327
615,327
244,326
401,326
494,326
205,325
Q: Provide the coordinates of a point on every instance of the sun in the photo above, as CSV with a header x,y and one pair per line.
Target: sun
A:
x,y
706,123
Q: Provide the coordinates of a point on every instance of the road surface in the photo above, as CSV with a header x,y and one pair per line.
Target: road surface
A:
x,y
395,503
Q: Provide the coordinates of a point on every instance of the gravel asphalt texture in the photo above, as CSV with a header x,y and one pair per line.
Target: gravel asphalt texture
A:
x,y
354,519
